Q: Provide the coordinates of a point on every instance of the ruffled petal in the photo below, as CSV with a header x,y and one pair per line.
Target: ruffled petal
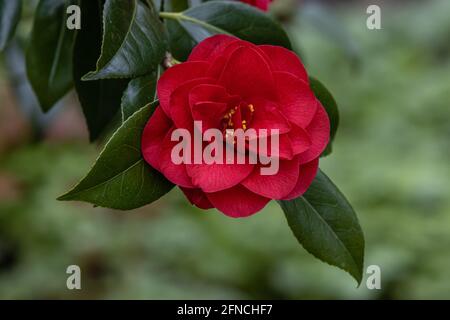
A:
x,y
179,109
176,76
248,74
284,60
284,150
211,48
216,177
306,176
208,93
319,133
209,113
300,140
197,197
296,100
267,116
208,104
175,173
275,186
237,202
154,132
220,61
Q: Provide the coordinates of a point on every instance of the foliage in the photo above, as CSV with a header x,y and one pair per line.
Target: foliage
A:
x,y
122,48
397,140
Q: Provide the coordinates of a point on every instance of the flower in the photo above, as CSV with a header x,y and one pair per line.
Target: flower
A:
x,y
269,89
261,4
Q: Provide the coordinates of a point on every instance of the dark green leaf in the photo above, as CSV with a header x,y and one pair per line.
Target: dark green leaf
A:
x,y
134,41
49,54
9,17
330,106
100,99
229,17
175,5
325,224
120,178
140,91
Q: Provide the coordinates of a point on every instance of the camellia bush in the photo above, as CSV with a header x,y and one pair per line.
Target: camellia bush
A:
x,y
158,72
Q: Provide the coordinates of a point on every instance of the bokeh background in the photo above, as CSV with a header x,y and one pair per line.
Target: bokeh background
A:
x,y
391,159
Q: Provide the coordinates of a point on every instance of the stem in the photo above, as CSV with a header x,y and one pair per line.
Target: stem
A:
x,y
170,15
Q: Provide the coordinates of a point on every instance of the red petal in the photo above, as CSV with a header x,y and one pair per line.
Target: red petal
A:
x,y
154,132
263,4
319,133
296,100
219,62
197,197
237,202
208,104
267,116
208,93
176,173
209,113
217,177
175,76
248,74
307,174
179,109
300,140
211,48
284,60
275,186
285,150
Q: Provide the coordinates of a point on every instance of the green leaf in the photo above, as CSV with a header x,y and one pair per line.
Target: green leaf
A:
x,y
49,54
327,100
175,5
134,41
325,224
140,91
120,178
9,17
100,99
228,17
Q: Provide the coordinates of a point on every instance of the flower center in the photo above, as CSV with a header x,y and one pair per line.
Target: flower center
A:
x,y
238,117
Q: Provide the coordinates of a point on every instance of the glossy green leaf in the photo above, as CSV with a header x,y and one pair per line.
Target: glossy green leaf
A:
x,y
327,100
134,41
49,54
228,17
140,91
120,178
9,17
100,99
325,224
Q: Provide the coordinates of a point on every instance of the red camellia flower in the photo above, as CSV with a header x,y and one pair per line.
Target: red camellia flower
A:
x,y
261,4
268,88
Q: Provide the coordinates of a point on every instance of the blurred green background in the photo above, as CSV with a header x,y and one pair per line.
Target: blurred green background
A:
x,y
391,159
